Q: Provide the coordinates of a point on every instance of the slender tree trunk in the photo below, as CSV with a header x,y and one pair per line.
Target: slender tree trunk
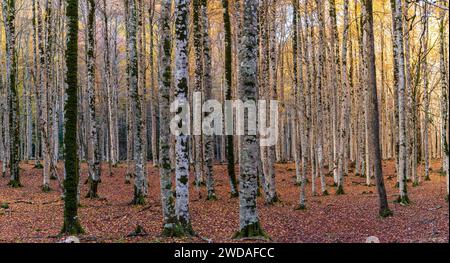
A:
x,y
113,151
171,226
444,96
374,113
336,84
319,99
344,102
153,89
426,94
28,102
273,95
208,140
198,87
365,77
399,79
181,96
249,224
300,109
140,181
229,96
142,84
9,12
129,119
93,145
71,223
3,107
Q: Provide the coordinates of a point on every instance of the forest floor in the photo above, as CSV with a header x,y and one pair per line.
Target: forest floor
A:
x,y
29,215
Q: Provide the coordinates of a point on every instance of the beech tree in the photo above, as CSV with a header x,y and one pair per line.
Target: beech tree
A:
x,y
443,69
181,96
172,225
384,210
208,140
71,221
229,94
426,95
249,224
140,182
93,146
344,102
399,79
9,12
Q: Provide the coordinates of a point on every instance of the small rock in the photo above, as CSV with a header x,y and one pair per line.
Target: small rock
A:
x,y
373,240
71,240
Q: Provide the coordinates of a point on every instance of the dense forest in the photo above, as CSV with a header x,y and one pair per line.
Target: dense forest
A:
x,y
89,90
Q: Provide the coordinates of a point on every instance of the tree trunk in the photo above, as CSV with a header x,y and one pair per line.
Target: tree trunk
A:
x,y
71,223
344,102
181,96
172,226
198,87
444,96
208,140
399,80
9,13
140,181
113,151
153,89
336,84
426,94
249,224
319,104
374,113
229,96
93,145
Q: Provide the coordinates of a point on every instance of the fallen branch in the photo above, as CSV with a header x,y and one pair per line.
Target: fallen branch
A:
x,y
23,202
435,209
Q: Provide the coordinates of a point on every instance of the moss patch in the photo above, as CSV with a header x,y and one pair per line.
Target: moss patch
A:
x,y
403,200
340,190
386,213
251,231
300,208
15,184
173,230
72,229
46,188
38,166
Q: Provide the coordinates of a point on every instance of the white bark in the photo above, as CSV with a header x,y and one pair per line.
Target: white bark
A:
x,y
181,96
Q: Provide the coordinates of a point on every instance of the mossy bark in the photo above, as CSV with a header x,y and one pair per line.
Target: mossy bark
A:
x,y
71,222
93,138
229,96
172,227
12,93
249,154
301,207
403,200
173,230
340,190
15,184
139,198
208,140
251,231
386,213
181,97
399,81
38,165
46,188
93,189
